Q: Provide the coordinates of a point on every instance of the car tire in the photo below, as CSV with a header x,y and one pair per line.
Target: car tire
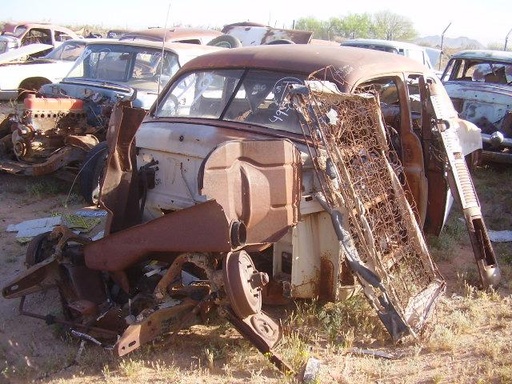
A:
x,y
279,41
225,41
92,172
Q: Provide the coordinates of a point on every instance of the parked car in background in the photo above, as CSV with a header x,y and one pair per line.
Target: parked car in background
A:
x,y
415,52
249,33
16,35
116,33
260,175
57,129
436,58
479,83
175,35
17,79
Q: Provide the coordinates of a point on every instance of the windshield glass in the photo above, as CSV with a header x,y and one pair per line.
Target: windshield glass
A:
x,y
480,71
20,30
67,51
253,96
139,67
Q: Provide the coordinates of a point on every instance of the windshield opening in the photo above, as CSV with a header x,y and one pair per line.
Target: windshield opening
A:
x,y
139,67
253,96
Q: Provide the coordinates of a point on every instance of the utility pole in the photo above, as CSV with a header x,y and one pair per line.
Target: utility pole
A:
x,y
442,42
506,40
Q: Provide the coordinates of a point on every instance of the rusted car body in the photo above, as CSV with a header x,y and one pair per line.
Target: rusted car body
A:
x,y
479,83
265,174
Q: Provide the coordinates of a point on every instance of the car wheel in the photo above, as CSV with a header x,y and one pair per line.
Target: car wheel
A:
x,y
225,41
92,172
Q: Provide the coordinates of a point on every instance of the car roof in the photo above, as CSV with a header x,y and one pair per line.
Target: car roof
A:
x,y
381,43
485,54
150,44
184,51
355,64
171,34
11,27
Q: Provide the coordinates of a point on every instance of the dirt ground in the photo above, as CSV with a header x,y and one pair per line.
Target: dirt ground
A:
x,y
469,335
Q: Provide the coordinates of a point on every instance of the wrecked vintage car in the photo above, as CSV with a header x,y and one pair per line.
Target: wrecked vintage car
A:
x,y
260,175
17,35
479,83
175,35
17,79
60,129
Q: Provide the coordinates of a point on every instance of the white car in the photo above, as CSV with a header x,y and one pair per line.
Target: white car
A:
x,y
19,78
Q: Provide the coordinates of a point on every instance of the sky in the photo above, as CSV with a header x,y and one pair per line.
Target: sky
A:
x,y
488,21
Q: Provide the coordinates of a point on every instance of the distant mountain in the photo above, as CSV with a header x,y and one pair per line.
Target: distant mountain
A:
x,y
450,42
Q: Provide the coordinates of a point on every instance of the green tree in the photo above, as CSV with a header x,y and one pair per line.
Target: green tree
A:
x,y
391,26
319,28
356,26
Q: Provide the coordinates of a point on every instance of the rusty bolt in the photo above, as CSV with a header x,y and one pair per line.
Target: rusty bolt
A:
x,y
258,280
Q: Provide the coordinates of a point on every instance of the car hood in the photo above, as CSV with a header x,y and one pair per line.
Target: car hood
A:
x,y
85,88
476,90
21,52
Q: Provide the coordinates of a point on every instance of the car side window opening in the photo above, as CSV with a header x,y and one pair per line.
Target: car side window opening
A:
x,y
42,36
389,96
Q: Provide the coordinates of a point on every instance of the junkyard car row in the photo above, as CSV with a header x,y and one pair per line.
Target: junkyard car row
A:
x,y
294,171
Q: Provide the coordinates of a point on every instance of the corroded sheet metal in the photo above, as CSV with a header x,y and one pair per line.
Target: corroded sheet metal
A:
x,y
202,228
119,191
257,182
55,162
152,326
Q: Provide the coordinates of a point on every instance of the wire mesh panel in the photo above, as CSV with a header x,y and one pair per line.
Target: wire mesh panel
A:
x,y
382,240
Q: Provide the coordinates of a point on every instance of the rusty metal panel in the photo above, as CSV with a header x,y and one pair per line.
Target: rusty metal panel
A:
x,y
202,228
314,240
257,182
119,190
